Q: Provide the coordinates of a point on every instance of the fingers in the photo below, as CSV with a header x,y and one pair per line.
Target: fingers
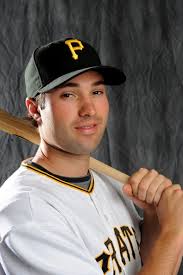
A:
x,y
161,188
146,188
156,189
147,185
135,180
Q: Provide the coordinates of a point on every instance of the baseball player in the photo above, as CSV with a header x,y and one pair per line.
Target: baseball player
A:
x,y
58,217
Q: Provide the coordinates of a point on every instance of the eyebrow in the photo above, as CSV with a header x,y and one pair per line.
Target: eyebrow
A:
x,y
74,84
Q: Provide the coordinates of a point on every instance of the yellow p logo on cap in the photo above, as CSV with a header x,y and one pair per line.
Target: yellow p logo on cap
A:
x,y
74,48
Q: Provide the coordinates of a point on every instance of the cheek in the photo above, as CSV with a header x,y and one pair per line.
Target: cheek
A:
x,y
62,114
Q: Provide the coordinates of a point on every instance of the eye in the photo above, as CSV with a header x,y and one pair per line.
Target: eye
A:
x,y
66,95
98,92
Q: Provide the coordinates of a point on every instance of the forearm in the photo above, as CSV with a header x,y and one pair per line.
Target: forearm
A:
x,y
150,230
162,232
164,257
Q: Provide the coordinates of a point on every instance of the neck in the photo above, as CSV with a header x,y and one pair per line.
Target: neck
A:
x,y
60,162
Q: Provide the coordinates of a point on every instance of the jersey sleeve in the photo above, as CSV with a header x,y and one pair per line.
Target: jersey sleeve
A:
x,y
45,250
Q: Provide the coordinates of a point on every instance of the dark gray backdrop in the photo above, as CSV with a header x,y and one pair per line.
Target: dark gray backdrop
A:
x,y
144,38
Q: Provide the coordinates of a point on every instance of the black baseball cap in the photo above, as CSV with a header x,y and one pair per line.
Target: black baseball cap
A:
x,y
57,62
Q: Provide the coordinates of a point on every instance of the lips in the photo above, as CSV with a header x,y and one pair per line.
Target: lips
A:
x,y
87,128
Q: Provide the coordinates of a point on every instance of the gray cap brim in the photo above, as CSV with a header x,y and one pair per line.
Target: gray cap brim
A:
x,y
112,76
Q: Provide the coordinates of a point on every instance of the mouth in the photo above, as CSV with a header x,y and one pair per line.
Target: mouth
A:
x,y
87,129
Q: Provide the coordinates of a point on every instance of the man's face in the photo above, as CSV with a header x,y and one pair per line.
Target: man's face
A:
x,y
75,114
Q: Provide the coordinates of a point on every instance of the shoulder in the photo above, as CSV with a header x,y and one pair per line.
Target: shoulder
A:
x,y
20,202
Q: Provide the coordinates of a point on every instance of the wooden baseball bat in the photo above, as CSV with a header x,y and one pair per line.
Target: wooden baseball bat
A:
x,y
24,129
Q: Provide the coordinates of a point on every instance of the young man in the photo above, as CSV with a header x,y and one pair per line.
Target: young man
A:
x,y
57,217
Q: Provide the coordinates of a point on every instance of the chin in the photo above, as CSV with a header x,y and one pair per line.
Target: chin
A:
x,y
81,147
82,150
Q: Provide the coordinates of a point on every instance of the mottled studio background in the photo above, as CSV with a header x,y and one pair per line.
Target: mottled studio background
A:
x,y
142,37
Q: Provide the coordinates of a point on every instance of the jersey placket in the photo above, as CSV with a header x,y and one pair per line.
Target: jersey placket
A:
x,y
104,211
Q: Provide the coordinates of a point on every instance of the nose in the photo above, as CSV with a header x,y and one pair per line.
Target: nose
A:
x,y
87,108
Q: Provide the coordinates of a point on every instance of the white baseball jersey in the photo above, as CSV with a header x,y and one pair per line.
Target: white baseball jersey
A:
x,y
52,227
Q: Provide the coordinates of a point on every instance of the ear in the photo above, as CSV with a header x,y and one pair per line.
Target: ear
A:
x,y
32,108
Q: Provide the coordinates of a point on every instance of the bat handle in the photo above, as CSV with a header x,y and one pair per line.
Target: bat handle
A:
x,y
103,168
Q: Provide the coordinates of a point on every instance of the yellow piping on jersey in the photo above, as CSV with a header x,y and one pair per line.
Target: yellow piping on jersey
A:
x,y
39,171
